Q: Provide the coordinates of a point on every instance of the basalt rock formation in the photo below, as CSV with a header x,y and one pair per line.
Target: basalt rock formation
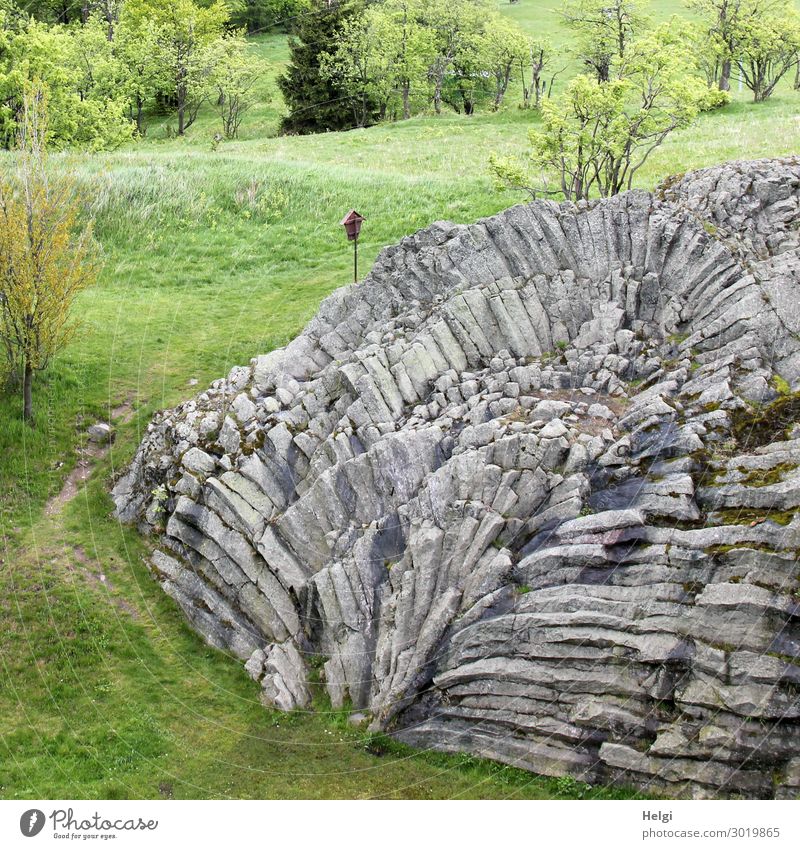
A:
x,y
530,489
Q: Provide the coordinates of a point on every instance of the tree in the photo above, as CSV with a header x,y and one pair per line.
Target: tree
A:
x,y
720,19
97,73
456,25
604,29
184,33
728,24
363,65
536,71
235,73
71,11
489,48
712,56
54,11
413,43
46,258
108,11
77,70
261,15
10,77
12,16
383,54
503,46
469,78
767,48
136,45
597,135
316,101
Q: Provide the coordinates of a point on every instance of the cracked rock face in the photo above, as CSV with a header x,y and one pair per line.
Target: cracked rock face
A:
x,y
530,489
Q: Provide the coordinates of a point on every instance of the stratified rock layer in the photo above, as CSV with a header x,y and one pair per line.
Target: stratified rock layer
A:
x,y
523,488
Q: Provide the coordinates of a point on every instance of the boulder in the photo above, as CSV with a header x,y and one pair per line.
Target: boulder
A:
x,y
514,489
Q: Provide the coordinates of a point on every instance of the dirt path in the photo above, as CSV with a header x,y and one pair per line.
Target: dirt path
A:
x,y
78,561
88,455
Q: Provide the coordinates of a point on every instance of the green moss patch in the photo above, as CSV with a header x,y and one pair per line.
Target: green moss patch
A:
x,y
754,428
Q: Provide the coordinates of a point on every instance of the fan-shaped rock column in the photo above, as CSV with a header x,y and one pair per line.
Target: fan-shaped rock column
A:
x,y
530,488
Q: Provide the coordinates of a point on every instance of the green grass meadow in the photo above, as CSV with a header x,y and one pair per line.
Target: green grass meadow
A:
x,y
212,257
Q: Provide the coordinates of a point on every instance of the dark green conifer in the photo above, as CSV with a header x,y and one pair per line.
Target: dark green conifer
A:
x,y
317,104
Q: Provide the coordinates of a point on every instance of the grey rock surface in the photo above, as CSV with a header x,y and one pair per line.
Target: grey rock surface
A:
x,y
100,433
507,488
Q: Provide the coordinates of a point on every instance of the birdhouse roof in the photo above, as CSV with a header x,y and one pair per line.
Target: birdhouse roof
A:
x,y
352,216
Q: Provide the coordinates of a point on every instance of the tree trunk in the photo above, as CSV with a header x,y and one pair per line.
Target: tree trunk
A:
x,y
182,95
406,101
140,116
526,94
725,76
27,393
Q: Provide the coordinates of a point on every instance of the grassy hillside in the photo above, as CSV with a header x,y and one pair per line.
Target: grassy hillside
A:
x,y
212,257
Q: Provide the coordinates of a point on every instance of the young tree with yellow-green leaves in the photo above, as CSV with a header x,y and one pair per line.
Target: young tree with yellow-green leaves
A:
x,y
539,65
597,134
604,29
235,79
47,258
768,47
758,39
184,34
77,68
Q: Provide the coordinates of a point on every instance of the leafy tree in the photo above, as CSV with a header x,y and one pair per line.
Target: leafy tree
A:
x,y
456,25
46,258
596,135
384,55
76,69
9,74
363,65
413,47
317,102
604,28
767,48
184,33
468,80
718,41
767,29
97,73
235,73
72,11
138,50
503,47
54,11
537,70
108,11
12,16
490,47
711,54
457,52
